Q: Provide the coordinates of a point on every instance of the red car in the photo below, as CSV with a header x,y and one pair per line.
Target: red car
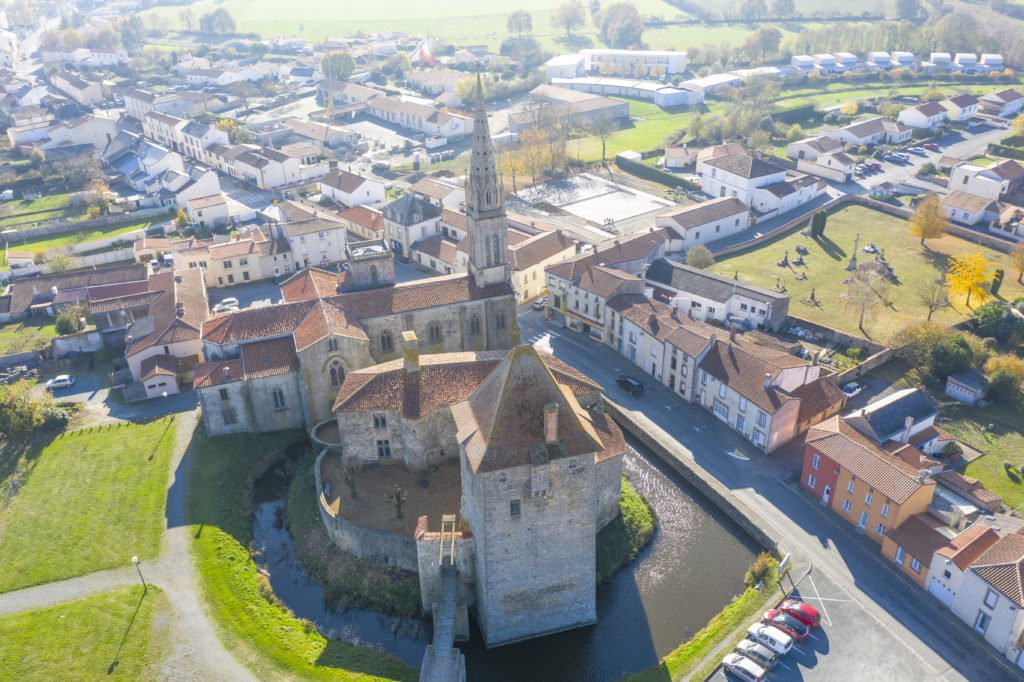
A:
x,y
932,146
787,623
806,614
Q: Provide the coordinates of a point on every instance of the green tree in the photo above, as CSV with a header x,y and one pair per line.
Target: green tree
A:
x,y
133,32
762,42
104,39
950,356
620,24
61,262
997,281
783,8
217,21
795,133
818,221
1018,125
519,22
568,16
699,257
1002,387
753,9
929,220
908,9
66,324
23,410
36,156
914,344
338,65
187,18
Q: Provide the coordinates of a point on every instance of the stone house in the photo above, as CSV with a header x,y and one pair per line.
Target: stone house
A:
x,y
409,219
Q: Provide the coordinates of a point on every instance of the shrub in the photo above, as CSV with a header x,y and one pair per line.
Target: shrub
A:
x,y
66,324
950,356
1007,464
997,281
700,257
757,572
1002,387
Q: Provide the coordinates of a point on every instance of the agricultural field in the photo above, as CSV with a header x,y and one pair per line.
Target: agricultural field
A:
x,y
827,259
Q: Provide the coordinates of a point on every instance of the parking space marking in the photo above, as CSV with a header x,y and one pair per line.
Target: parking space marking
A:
x,y
784,665
811,635
824,612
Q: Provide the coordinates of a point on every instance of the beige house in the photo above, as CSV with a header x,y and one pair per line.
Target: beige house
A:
x,y
529,258
211,211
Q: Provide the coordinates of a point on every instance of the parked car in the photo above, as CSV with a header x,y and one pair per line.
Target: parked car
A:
x,y
931,146
758,653
771,637
851,389
224,308
231,300
874,165
917,150
630,384
743,668
788,624
538,303
805,613
60,381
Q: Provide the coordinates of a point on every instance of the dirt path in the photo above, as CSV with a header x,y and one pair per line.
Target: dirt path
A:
x,y
194,651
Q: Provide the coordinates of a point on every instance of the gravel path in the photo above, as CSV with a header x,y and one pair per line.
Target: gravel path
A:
x,y
194,651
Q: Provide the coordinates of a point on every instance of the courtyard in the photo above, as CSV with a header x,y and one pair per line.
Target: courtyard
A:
x,y
825,269
593,199
431,493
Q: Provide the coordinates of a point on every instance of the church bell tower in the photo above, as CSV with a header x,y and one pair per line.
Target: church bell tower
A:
x,y
485,205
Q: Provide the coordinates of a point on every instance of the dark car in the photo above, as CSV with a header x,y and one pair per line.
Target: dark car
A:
x,y
787,623
630,384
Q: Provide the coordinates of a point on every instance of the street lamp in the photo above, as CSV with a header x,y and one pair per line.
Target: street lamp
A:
x,y
145,587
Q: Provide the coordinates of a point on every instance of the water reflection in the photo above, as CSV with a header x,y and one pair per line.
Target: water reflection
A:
x,y
693,567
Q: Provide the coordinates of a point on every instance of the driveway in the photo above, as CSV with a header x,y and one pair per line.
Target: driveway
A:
x,y
91,390
252,295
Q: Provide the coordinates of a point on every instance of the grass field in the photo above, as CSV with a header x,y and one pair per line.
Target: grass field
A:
x,y
70,238
915,266
88,500
28,334
80,640
259,632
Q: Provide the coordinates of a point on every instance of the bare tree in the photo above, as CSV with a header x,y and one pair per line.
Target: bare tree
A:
x,y
866,289
602,127
934,296
397,497
187,18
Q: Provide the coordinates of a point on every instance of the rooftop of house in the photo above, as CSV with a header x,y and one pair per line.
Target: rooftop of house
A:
x,y
175,316
919,536
966,202
745,165
706,212
966,547
365,217
706,284
410,209
536,249
23,291
1002,567
886,472
968,487
343,180
434,189
885,417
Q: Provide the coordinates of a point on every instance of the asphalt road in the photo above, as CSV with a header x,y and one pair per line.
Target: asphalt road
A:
x,y
916,626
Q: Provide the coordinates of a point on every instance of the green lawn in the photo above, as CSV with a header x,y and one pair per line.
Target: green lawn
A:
x,y
80,640
78,237
915,265
261,633
28,334
47,203
89,499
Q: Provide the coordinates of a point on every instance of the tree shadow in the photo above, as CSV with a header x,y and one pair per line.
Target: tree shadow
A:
x,y
575,42
831,249
117,656
18,458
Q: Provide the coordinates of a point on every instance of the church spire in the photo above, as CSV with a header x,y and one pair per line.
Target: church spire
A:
x,y
485,203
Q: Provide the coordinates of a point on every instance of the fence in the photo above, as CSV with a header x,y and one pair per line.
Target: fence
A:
x,y
105,242
63,228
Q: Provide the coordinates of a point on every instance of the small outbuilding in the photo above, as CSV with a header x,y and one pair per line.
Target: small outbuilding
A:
x,y
967,386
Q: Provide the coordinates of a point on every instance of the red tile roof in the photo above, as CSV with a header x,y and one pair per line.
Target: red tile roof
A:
x,y
1002,567
918,536
437,247
177,315
537,249
856,453
969,545
269,358
166,365
969,487
416,295
742,366
817,397
364,216
308,284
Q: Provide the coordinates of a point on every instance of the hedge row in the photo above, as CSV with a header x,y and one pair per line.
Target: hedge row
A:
x,y
1008,152
794,114
651,173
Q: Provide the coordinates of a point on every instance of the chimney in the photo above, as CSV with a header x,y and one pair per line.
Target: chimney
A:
x,y
815,357
767,379
412,352
863,411
756,154
675,310
689,313
551,423
907,425
711,341
732,333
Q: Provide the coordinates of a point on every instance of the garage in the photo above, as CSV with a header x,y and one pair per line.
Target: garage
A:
x,y
941,592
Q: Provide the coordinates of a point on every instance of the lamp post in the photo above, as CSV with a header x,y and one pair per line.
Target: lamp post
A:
x,y
145,587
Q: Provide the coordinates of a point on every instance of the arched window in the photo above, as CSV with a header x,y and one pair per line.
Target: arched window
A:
x,y
385,343
435,333
499,321
337,373
474,326
487,250
373,275
332,344
497,250
487,198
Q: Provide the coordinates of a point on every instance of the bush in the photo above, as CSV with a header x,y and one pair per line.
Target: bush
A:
x,y
997,281
1002,387
759,570
1007,464
950,356
700,257
66,324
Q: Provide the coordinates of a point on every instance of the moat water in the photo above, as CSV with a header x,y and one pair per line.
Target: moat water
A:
x,y
692,568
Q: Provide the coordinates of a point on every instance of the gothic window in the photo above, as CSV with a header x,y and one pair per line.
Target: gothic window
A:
x,y
435,333
487,197
499,322
278,396
385,342
332,344
337,373
373,275
487,250
474,326
497,247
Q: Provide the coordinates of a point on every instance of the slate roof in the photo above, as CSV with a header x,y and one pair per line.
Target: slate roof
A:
x,y
707,212
745,166
918,536
1002,567
884,418
343,180
966,547
706,284
886,473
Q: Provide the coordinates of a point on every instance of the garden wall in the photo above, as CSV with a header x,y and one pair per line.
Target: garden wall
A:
x,y
382,547
18,236
28,357
75,344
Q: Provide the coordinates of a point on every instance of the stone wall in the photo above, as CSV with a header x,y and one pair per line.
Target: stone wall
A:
x,y
316,363
609,489
681,460
74,344
29,357
382,547
428,551
417,443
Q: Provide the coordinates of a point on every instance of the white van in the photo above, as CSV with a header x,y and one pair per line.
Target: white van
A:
x,y
772,637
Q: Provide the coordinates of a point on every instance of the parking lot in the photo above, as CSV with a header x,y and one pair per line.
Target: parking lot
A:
x,y
848,645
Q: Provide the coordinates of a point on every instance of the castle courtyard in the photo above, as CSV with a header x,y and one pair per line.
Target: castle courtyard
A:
x,y
431,494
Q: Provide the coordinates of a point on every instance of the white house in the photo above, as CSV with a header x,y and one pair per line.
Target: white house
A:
x,y
801,64
780,197
991,597
314,241
847,61
835,166
825,64
940,61
707,221
565,66
1003,177
1010,224
86,92
903,60
106,58
877,61
969,209
871,131
662,94
350,189
441,194
961,108
738,175
1004,103
965,62
950,562
631,61
991,62
928,116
